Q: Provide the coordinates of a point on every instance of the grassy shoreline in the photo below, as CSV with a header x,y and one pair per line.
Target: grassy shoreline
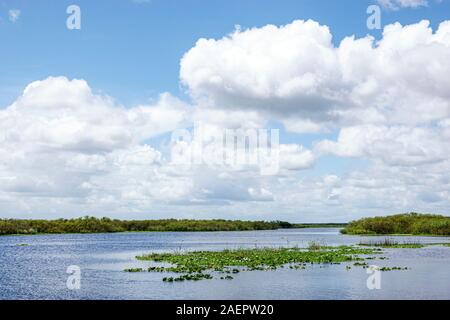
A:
x,y
412,224
91,225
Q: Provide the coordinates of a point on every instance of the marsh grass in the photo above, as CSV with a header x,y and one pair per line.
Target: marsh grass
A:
x,y
315,246
131,270
391,243
365,265
392,268
188,277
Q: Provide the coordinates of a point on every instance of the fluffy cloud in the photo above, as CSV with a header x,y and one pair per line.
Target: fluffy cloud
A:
x,y
14,15
388,99
395,146
397,4
59,141
63,146
63,115
296,157
68,150
290,69
296,74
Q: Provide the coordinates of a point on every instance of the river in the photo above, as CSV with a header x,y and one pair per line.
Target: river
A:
x,y
38,270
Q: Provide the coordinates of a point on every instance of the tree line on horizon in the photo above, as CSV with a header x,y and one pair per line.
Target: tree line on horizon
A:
x,y
107,225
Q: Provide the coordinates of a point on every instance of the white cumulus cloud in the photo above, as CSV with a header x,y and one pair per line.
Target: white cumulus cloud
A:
x,y
295,74
397,4
65,149
14,15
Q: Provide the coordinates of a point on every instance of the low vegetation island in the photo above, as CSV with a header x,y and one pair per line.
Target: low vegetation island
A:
x,y
401,224
226,264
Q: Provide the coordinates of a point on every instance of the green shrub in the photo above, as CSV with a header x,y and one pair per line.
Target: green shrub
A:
x,y
106,225
409,223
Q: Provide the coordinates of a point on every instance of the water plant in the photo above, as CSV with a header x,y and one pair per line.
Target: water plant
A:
x,y
193,265
361,264
189,277
391,243
134,270
314,246
392,268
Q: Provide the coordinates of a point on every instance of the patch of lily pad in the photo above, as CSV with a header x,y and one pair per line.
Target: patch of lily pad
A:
x,y
199,265
392,268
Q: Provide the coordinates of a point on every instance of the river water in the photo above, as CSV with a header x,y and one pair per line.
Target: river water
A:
x,y
39,270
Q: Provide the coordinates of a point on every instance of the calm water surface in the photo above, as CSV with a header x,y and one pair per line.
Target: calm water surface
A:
x,y
38,271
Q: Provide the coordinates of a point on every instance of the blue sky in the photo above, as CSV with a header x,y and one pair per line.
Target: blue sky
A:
x,y
377,115
131,50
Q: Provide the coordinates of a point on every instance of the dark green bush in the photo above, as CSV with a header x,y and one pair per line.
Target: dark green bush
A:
x,y
106,225
408,223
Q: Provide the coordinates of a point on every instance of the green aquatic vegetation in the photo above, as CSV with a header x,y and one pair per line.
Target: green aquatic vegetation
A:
x,y
134,270
392,268
23,245
189,277
193,264
391,243
314,246
407,246
445,244
298,266
375,258
156,269
361,264
168,279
